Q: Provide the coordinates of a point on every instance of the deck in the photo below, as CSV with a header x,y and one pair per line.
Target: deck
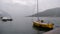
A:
x,y
55,31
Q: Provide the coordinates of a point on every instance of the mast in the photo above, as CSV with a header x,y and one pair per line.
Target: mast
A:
x,y
37,11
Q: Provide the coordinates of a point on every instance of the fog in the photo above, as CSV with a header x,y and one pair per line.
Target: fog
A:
x,y
27,7
18,9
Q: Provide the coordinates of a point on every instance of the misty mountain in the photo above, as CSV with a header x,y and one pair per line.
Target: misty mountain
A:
x,y
54,12
4,14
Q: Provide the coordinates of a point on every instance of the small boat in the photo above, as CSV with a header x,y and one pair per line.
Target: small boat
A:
x,y
5,19
43,25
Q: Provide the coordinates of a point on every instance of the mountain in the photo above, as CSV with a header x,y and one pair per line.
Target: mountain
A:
x,y
54,12
4,14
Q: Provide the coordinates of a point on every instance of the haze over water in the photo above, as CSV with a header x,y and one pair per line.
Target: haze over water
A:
x,y
18,9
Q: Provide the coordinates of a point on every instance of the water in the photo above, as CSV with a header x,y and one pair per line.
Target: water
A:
x,y
23,25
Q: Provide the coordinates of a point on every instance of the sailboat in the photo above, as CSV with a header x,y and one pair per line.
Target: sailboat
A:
x,y
41,24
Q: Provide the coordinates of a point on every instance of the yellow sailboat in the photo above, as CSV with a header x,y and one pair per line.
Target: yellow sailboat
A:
x,y
41,24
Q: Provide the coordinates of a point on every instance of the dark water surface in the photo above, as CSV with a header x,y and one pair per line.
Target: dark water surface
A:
x,y
23,25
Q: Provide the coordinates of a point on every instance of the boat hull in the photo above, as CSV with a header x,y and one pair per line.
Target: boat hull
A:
x,y
43,26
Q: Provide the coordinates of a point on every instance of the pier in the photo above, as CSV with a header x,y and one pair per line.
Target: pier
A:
x,y
55,31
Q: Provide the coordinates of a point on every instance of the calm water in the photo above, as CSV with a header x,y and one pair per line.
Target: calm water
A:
x,y
23,25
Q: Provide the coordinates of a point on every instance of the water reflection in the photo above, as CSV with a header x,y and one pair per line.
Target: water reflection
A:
x,y
40,30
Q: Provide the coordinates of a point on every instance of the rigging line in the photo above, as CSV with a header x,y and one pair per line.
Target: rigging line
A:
x,y
34,6
37,11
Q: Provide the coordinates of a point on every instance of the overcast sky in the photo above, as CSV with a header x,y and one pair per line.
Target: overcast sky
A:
x,y
27,7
